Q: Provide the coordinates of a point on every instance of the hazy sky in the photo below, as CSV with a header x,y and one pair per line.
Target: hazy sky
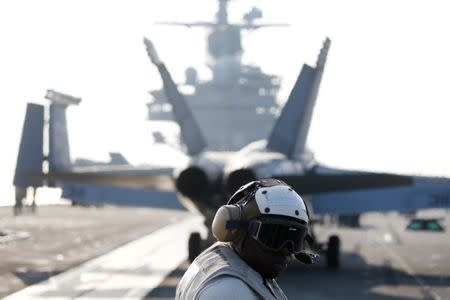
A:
x,y
383,103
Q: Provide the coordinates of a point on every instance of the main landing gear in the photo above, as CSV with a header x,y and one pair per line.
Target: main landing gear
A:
x,y
194,245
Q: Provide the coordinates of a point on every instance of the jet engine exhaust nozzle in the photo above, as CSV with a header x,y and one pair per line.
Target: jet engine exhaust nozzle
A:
x,y
192,182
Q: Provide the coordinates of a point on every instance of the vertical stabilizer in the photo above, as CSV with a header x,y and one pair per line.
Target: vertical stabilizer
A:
x,y
30,157
59,151
190,131
291,129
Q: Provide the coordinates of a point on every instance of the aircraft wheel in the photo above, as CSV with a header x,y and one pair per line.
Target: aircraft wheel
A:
x,y
194,244
333,252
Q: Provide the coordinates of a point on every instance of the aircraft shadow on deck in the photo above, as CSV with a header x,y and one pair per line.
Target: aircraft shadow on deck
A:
x,y
354,280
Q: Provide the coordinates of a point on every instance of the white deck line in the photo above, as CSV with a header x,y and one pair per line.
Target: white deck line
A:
x,y
128,272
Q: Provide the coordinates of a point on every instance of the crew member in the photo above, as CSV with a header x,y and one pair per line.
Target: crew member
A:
x,y
259,231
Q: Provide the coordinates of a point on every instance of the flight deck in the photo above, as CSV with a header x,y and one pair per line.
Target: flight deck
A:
x,y
112,253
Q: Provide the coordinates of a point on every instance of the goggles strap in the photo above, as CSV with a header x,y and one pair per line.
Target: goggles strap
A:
x,y
235,224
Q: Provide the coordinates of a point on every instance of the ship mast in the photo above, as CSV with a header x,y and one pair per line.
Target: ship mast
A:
x,y
222,13
248,94
224,39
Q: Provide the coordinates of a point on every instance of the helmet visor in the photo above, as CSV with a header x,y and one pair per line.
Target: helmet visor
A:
x,y
274,235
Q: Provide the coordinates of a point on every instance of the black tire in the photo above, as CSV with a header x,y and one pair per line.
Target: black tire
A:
x,y
333,252
194,246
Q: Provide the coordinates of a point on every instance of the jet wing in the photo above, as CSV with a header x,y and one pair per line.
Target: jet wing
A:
x,y
124,176
313,183
336,191
423,193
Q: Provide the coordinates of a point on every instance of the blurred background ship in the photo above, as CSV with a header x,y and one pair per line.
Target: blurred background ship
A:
x,y
239,104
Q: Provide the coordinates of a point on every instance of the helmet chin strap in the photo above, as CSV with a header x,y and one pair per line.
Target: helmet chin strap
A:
x,y
236,224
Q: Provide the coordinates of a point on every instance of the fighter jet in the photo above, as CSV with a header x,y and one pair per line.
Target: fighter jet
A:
x,y
208,178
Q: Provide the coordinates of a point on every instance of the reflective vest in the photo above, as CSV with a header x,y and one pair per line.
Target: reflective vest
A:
x,y
221,260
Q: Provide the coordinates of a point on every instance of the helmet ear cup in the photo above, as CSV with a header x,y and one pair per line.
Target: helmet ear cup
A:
x,y
223,215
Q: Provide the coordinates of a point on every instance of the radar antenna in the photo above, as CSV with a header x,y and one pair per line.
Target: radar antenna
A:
x,y
225,38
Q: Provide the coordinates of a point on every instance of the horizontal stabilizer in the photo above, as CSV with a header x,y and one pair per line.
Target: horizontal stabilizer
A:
x,y
190,131
31,155
326,183
160,180
100,195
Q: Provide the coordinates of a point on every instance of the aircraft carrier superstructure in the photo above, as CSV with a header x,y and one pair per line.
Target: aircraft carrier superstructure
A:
x,y
238,105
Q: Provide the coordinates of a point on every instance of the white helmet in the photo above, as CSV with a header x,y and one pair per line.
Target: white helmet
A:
x,y
263,208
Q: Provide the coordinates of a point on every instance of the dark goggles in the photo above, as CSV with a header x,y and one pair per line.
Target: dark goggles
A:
x,y
274,235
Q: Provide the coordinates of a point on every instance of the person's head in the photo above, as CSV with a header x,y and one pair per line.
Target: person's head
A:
x,y
266,222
